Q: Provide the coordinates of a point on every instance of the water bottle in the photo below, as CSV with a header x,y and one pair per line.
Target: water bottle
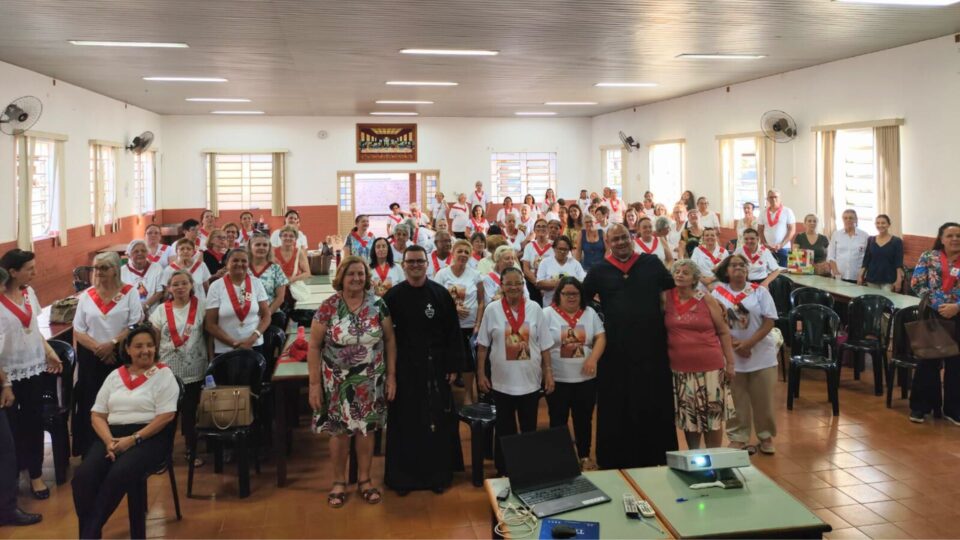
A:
x,y
208,382
339,255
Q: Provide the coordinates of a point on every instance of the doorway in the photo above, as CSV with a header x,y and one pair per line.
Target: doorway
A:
x,y
371,193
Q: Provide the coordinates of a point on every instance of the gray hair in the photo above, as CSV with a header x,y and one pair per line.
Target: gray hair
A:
x,y
133,244
690,265
661,223
112,259
498,254
405,228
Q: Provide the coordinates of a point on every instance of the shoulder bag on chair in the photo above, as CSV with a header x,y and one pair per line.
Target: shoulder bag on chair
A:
x,y
931,338
225,407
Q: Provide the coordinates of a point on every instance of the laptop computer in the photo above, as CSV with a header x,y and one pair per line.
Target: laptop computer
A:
x,y
545,474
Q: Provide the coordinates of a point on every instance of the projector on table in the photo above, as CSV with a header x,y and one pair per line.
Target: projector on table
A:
x,y
708,459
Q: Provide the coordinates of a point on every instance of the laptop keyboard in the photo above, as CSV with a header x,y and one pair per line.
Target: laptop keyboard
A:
x,y
577,486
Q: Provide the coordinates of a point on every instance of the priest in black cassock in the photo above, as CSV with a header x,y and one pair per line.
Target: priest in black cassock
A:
x,y
423,440
635,418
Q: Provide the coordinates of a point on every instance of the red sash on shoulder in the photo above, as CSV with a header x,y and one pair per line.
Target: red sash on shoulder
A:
x,y
105,308
714,260
514,322
179,340
572,321
23,315
735,300
495,277
436,261
683,307
623,266
536,247
652,248
948,273
288,266
773,220
138,273
132,384
361,241
242,309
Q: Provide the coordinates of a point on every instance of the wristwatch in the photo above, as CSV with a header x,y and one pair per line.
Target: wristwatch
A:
x,y
258,333
137,438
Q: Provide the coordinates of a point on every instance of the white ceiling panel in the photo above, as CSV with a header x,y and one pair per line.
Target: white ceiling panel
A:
x,y
331,57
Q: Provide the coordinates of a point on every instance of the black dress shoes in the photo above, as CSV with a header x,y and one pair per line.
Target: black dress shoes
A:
x,y
19,518
41,494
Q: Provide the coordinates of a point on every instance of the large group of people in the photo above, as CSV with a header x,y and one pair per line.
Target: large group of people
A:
x,y
642,315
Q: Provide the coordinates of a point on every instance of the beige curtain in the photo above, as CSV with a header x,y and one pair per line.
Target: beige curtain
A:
x,y
25,193
279,193
114,154
766,168
212,184
827,141
98,190
887,150
726,179
58,195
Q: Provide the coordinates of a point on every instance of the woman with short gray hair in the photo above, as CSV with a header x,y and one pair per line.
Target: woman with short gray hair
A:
x,y
104,313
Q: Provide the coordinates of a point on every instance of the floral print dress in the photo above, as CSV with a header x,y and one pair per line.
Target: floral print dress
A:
x,y
353,366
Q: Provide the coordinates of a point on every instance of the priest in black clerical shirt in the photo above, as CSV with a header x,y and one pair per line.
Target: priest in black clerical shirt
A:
x,y
423,444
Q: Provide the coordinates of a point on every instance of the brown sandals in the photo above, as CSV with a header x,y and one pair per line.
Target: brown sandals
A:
x,y
336,500
371,495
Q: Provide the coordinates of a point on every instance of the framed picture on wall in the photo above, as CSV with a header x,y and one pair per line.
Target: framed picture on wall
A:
x,y
383,143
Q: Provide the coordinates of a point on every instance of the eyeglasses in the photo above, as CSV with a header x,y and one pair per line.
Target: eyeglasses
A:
x,y
415,261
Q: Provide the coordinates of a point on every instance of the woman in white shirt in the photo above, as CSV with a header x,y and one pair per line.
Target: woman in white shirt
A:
x,y
268,272
466,287
400,240
504,257
291,219
208,221
291,257
707,256
528,218
508,208
651,244
143,275
460,216
157,251
748,221
438,208
232,232
679,224
385,272
847,247
187,260
549,199
478,222
708,219
131,412
762,266
578,343
514,236
183,348
24,357
478,243
751,315
553,269
514,336
246,227
105,311
237,311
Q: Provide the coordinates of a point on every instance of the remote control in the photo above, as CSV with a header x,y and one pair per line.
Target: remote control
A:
x,y
630,505
645,509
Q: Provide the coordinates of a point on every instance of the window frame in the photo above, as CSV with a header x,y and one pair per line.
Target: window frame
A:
x,y
265,184
497,194
623,167
111,194
842,188
145,196
657,192
53,226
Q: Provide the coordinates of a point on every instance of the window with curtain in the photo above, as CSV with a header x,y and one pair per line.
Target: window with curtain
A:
x,y
43,182
242,181
746,172
103,187
144,182
855,178
613,166
514,174
666,171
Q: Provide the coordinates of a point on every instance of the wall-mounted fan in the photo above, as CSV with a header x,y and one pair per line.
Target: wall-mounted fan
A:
x,y
141,142
628,142
778,126
20,115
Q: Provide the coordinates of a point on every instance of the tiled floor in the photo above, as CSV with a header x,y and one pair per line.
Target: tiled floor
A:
x,y
869,473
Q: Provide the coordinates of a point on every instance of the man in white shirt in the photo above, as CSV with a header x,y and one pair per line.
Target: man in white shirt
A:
x,y
778,227
847,247
478,197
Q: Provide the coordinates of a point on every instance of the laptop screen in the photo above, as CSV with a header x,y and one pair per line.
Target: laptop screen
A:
x,y
539,457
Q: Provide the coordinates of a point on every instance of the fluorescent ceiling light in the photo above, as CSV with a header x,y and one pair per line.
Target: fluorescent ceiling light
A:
x,y
144,44
185,79
421,83
450,52
403,102
903,2
535,113
570,103
625,84
236,112
394,113
218,100
718,56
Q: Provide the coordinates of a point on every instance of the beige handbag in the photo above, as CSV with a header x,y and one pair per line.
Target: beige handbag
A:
x,y
225,407
63,310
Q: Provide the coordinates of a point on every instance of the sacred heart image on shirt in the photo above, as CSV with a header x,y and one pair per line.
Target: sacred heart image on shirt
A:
x,y
571,345
738,318
458,292
517,345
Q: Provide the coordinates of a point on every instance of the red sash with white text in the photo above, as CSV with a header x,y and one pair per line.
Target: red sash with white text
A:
x,y
715,260
133,384
175,336
240,306
106,307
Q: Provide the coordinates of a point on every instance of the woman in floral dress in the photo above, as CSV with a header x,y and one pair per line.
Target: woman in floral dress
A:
x,y
352,362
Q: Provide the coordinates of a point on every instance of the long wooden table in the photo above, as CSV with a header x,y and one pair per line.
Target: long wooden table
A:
x,y
761,509
847,291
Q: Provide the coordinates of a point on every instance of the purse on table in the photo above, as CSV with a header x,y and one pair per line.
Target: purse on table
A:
x,y
63,310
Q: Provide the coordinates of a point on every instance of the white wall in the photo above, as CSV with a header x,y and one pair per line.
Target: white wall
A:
x,y
459,147
81,115
919,82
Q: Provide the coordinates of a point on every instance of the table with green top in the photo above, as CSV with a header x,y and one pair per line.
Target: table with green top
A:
x,y
847,291
286,379
761,509
614,523
320,289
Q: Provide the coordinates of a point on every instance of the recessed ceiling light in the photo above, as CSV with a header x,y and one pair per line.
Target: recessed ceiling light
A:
x,y
535,113
185,79
421,83
903,2
236,112
403,102
451,52
718,56
145,44
394,113
218,100
625,84
570,103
